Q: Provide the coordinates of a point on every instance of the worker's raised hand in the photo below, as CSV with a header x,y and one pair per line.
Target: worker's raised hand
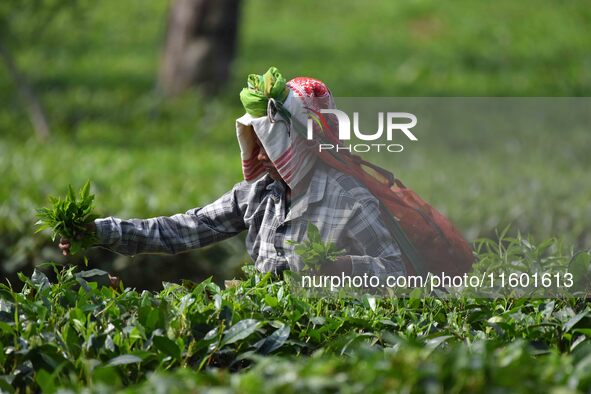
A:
x,y
64,246
65,243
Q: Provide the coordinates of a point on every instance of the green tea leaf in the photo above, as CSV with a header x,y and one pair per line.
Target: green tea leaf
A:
x,y
69,218
124,359
167,346
273,341
239,331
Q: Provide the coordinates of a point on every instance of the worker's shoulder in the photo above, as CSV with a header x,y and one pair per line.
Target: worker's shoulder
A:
x,y
347,185
253,189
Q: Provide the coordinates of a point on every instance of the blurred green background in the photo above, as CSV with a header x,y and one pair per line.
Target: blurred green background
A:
x,y
94,68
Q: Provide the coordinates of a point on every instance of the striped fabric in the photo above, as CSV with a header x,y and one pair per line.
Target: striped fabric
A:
x,y
292,156
343,210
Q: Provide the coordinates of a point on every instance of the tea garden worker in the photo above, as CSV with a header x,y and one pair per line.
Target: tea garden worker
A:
x,y
284,188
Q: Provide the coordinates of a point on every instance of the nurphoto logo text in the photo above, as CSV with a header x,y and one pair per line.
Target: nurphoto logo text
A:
x,y
395,122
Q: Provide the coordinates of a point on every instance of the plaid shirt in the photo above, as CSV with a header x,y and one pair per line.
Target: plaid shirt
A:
x,y
344,211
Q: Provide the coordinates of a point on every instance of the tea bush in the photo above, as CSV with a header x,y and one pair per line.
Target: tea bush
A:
x,y
77,333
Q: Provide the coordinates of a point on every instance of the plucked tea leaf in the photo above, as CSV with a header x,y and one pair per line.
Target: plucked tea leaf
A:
x,y
85,191
313,252
69,218
313,233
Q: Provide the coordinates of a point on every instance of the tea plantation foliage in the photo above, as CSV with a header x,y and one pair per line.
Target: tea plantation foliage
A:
x,y
258,336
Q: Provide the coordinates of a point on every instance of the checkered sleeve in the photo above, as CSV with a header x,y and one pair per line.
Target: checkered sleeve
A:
x,y
174,234
379,253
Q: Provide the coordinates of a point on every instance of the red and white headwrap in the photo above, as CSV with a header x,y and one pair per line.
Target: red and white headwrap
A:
x,y
284,139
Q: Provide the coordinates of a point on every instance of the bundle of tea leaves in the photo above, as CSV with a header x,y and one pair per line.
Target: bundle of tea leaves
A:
x,y
69,218
313,252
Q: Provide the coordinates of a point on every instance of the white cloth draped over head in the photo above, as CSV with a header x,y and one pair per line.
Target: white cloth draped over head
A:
x,y
284,140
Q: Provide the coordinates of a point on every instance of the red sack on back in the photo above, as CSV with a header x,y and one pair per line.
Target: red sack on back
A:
x,y
438,245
